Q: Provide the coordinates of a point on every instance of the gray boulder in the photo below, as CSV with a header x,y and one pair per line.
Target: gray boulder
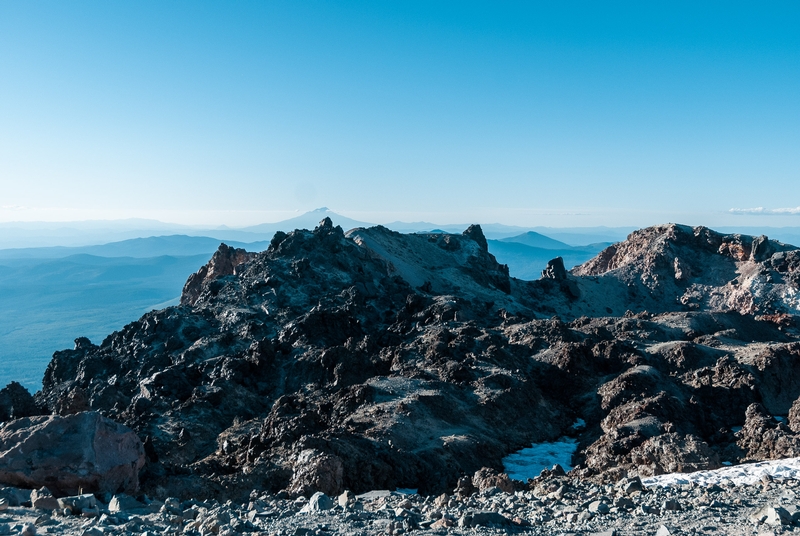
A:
x,y
124,503
317,503
42,499
316,471
84,452
773,516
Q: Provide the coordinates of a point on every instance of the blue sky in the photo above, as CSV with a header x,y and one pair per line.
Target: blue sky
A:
x,y
526,113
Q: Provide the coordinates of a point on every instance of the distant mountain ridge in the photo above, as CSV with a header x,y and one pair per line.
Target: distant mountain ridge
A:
x,y
153,246
87,233
537,240
309,220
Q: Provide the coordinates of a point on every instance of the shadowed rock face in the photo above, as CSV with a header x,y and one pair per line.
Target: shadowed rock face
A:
x,y
85,452
16,402
379,360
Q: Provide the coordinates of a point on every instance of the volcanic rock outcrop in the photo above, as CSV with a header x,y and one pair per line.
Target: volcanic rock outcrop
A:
x,y
374,359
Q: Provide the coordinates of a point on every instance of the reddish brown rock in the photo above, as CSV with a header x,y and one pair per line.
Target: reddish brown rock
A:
x,y
222,263
486,478
764,438
85,452
673,453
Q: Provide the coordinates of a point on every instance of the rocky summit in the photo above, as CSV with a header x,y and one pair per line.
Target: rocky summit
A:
x,y
342,362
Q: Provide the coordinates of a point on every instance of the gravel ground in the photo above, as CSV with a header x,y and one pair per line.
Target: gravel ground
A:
x,y
552,505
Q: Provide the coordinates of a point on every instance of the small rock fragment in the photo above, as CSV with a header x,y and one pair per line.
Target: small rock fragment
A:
x,y
122,503
346,498
772,516
317,503
598,507
631,485
663,531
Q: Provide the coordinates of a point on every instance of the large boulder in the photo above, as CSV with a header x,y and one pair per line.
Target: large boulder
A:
x,y
316,471
73,454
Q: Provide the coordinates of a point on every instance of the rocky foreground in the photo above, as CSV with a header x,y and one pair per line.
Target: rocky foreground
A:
x,y
336,362
488,504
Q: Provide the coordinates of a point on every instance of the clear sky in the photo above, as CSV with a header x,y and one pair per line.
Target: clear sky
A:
x,y
527,113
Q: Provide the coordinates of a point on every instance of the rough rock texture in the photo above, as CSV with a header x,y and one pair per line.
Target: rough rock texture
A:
x,y
764,438
16,402
683,268
379,360
486,478
68,455
224,262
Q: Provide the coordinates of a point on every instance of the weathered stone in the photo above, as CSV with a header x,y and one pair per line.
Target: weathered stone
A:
x,y
630,485
93,454
346,498
624,503
555,270
486,478
771,515
315,471
442,523
317,503
598,507
15,496
16,402
78,503
124,503
225,261
484,519
43,499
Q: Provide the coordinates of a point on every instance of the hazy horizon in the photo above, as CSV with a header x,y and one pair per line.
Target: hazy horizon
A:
x,y
565,115
733,220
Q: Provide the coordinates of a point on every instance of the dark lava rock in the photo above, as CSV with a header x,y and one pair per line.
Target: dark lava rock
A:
x,y
555,270
16,402
376,360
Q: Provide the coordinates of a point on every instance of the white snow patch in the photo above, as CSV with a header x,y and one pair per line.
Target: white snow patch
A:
x,y
790,298
528,463
407,491
746,473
